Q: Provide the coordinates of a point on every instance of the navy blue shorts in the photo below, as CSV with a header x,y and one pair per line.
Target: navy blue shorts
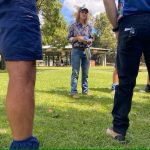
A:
x,y
20,36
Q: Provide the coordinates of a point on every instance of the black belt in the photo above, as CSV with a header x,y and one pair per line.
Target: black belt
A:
x,y
79,48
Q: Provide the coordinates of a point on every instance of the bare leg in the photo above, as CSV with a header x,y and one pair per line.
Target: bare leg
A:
x,y
147,87
20,98
114,80
115,77
148,80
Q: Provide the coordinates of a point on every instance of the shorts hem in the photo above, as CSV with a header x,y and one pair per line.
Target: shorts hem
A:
x,y
23,59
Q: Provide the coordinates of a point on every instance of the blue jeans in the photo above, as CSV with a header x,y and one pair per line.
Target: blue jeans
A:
x,y
78,57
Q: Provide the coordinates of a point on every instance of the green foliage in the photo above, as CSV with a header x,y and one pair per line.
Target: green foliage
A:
x,y
54,30
104,37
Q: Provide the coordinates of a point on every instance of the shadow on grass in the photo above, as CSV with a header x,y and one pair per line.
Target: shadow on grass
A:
x,y
142,70
81,128
110,69
74,127
140,88
71,128
3,71
5,140
105,90
108,90
137,88
57,91
91,99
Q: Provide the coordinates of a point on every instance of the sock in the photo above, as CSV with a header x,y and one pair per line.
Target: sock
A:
x,y
30,143
113,86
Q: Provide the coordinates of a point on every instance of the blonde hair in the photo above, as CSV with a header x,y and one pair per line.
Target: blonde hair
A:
x,y
78,17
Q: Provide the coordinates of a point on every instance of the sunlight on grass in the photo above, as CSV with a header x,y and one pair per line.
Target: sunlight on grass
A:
x,y
63,122
3,131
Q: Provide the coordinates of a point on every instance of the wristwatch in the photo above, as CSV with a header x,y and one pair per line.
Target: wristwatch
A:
x,y
116,29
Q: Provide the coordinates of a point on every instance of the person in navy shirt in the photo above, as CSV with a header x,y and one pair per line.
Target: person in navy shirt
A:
x,y
136,7
20,45
133,30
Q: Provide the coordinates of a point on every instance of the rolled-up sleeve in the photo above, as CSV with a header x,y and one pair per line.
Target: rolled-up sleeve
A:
x,y
71,34
91,33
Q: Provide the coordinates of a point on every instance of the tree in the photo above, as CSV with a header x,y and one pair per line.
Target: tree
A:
x,y
54,30
104,37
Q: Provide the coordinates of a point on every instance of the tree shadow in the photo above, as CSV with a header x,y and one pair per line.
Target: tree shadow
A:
x,y
59,126
57,91
3,71
84,99
73,127
105,90
139,88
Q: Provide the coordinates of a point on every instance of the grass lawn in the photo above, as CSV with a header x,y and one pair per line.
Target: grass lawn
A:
x,y
63,122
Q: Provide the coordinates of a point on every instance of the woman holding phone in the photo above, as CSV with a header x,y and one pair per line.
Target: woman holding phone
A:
x,y
80,38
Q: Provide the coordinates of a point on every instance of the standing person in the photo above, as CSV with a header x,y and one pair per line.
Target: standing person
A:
x,y
115,73
147,87
114,80
20,42
133,39
80,38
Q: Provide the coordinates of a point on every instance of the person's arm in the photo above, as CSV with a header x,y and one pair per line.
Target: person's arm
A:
x,y
71,37
91,39
111,11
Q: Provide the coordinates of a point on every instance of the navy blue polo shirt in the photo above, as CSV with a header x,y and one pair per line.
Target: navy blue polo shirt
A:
x,y
136,7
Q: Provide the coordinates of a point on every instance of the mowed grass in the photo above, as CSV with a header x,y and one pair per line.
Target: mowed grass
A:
x,y
63,122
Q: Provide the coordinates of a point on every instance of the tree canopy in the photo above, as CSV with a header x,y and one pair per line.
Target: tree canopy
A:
x,y
103,36
54,29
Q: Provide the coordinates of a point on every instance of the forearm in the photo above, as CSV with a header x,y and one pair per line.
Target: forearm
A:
x,y
111,11
73,39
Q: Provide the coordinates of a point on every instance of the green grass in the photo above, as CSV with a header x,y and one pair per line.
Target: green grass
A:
x,y
63,122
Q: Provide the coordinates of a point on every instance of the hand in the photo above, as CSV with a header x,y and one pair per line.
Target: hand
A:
x,y
80,38
89,42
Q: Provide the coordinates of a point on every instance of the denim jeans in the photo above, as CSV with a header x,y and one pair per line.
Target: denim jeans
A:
x,y
78,58
134,39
